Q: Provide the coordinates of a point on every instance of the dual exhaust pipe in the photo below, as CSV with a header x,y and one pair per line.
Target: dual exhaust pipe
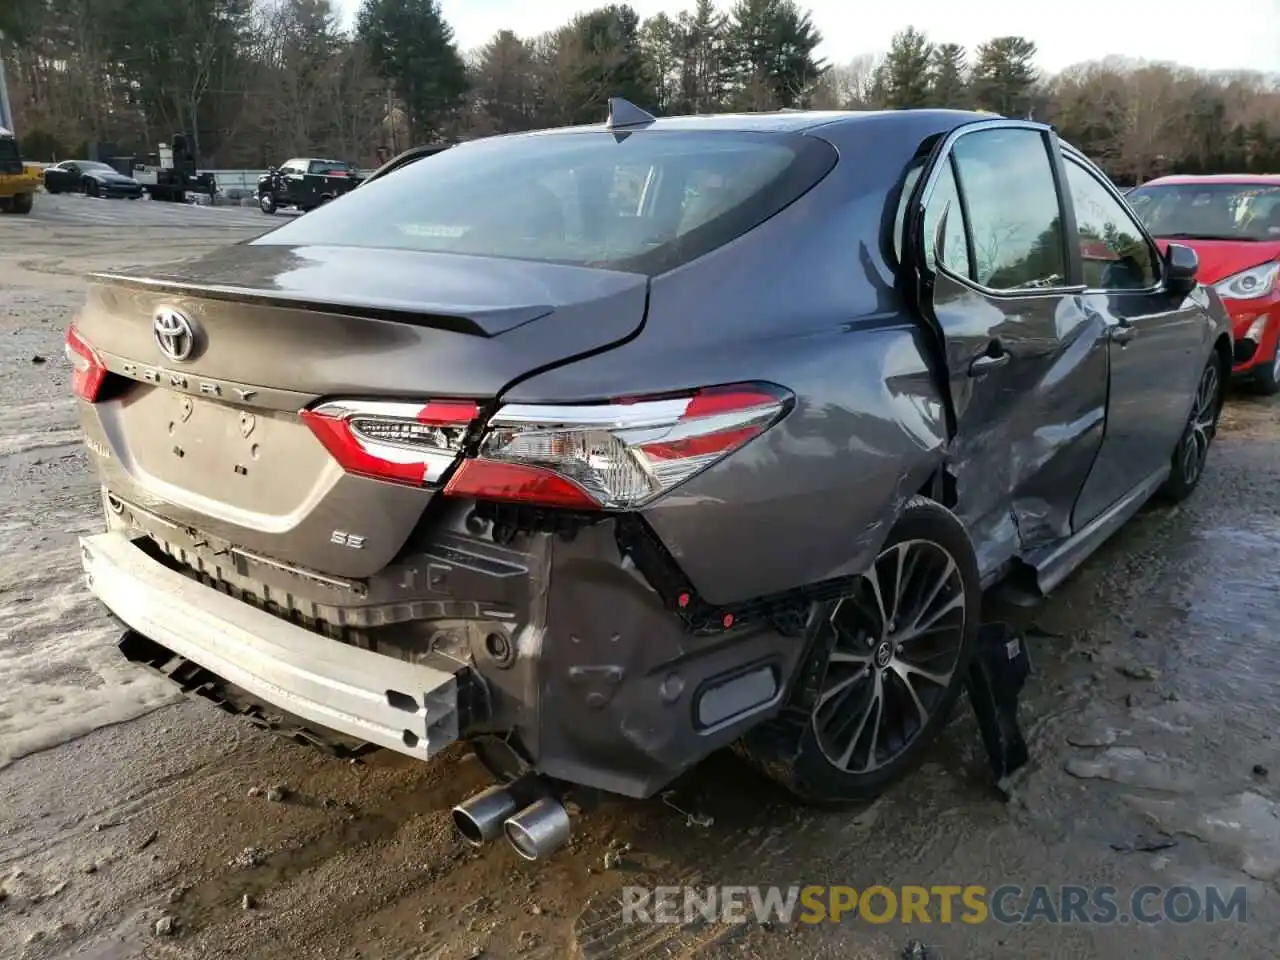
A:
x,y
536,829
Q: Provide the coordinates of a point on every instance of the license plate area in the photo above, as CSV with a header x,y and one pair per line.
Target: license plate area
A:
x,y
265,461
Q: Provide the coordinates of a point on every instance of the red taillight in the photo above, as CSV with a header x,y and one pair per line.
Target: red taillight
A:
x,y
516,482
410,443
87,369
617,455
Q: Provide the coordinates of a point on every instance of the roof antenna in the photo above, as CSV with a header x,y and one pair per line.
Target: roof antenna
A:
x,y
624,114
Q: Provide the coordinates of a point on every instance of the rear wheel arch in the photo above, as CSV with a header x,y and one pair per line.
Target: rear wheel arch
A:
x,y
787,748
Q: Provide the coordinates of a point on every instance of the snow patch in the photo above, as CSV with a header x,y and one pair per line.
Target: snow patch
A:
x,y
61,675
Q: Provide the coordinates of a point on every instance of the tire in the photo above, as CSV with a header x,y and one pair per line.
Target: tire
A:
x,y
1197,435
267,203
1267,381
89,187
22,203
851,666
51,189
6,204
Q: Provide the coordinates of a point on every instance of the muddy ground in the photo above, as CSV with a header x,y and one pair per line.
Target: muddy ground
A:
x,y
1152,721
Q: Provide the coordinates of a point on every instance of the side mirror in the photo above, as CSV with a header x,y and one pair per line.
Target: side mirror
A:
x,y
1181,264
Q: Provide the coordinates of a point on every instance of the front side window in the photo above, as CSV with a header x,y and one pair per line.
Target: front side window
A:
x,y
1014,212
1209,211
647,201
1114,253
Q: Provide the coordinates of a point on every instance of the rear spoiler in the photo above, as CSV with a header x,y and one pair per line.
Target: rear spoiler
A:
x,y
412,155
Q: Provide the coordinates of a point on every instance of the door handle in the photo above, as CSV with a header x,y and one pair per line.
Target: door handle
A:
x,y
1123,333
984,364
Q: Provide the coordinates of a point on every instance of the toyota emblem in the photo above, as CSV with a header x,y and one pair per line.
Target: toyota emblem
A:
x,y
175,335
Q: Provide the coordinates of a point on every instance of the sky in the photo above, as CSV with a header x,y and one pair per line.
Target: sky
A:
x,y
1221,35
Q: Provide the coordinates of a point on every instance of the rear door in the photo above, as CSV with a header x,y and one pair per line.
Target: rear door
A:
x,y
292,177
1027,363
1157,342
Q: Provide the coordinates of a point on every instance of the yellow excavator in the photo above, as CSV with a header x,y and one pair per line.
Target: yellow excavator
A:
x,y
18,181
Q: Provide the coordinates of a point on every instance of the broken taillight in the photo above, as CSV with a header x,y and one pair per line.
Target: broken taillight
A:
x,y
87,369
617,455
410,443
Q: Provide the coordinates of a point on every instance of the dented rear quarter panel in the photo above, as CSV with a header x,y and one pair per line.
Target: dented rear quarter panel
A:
x,y
808,301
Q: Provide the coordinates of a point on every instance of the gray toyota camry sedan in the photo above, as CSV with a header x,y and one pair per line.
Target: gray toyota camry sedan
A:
x,y
605,448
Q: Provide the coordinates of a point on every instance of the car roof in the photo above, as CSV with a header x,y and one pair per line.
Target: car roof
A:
x,y
781,121
1242,179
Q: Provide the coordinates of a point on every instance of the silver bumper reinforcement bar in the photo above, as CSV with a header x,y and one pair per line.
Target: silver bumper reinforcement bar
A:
x,y
406,707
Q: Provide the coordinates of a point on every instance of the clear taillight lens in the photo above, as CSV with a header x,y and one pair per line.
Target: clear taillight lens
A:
x,y
618,455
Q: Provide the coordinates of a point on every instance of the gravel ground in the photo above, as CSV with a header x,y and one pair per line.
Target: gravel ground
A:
x,y
134,825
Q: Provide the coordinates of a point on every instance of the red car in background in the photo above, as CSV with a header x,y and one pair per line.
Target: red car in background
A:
x,y
1232,221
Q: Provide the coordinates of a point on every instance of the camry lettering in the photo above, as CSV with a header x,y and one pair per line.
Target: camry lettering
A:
x,y
180,381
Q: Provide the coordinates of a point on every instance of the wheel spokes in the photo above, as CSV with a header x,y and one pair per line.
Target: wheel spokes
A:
x,y
1200,425
897,640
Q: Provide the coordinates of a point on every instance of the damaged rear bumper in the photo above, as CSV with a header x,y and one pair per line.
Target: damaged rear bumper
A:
x,y
552,648
407,707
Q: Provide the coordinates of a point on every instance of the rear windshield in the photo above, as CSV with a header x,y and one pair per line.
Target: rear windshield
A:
x,y
644,201
9,158
1211,211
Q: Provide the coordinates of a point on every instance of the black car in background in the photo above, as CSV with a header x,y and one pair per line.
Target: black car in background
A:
x,y
305,183
90,177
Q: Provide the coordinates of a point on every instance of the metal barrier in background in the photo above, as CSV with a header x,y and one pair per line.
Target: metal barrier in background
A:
x,y
236,186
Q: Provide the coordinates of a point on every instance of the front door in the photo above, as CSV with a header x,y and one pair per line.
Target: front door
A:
x,y
1027,363
1157,343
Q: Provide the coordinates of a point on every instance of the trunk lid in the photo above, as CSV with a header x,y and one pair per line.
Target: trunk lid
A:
x,y
214,441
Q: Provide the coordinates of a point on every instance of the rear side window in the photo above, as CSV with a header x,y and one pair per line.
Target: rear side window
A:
x,y
645,201
1014,212
328,166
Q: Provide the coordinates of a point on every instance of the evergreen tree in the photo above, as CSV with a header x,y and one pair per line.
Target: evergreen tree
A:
x,y
948,84
905,75
772,44
1004,75
412,47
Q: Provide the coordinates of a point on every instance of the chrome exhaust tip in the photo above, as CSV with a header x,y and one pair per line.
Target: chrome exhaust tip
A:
x,y
539,830
480,819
